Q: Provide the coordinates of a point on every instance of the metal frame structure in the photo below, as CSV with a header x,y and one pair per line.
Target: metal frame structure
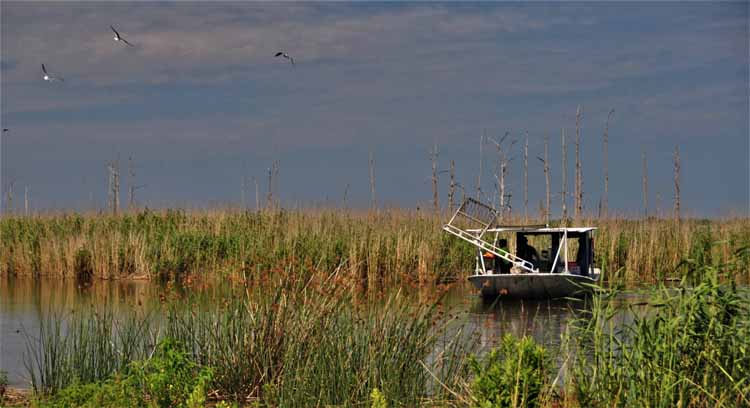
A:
x,y
484,216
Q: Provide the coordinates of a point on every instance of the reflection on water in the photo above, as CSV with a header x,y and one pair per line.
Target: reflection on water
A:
x,y
544,320
25,302
489,320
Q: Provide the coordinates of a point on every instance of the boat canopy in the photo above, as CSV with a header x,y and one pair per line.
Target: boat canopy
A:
x,y
538,230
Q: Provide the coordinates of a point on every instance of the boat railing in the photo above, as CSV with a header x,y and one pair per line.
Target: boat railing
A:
x,y
470,223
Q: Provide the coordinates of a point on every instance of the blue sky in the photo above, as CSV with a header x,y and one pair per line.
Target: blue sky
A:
x,y
200,102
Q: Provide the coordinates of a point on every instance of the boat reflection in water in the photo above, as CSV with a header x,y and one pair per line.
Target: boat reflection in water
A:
x,y
546,321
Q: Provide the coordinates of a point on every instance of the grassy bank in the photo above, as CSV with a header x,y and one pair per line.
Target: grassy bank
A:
x,y
376,250
309,343
300,344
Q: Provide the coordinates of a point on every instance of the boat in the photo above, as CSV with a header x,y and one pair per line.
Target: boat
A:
x,y
525,272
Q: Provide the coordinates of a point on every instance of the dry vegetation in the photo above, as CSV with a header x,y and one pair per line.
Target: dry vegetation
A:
x,y
375,249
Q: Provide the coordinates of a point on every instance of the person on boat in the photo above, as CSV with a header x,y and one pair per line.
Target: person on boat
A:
x,y
526,251
502,265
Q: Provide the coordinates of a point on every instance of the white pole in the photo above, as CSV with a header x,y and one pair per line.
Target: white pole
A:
x,y
565,237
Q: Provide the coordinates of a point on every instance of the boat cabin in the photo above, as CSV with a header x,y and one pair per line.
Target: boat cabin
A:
x,y
546,249
537,264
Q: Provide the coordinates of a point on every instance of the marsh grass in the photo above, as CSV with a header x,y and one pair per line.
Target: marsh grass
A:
x,y
689,348
299,343
377,249
84,347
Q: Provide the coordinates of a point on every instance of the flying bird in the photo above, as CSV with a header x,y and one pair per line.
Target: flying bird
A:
x,y
50,77
6,130
118,37
285,55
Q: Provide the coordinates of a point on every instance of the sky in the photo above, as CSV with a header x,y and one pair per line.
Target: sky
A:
x,y
200,103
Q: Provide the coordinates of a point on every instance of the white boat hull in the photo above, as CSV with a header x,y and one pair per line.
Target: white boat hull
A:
x,y
533,285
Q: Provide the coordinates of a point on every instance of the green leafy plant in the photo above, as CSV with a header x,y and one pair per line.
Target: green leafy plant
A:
x,y
112,393
511,375
168,379
171,379
377,399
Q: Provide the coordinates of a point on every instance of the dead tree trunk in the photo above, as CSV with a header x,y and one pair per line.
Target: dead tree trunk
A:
x,y
677,183
435,197
9,198
564,192
502,170
547,202
452,187
26,201
372,182
114,186
645,184
269,196
257,197
526,178
131,184
479,175
243,188
605,200
276,194
579,173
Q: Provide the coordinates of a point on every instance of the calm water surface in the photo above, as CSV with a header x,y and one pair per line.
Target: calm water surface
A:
x,y
24,302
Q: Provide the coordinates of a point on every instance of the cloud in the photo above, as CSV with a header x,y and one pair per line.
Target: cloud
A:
x,y
178,42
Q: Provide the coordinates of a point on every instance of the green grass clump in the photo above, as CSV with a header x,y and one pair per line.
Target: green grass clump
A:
x,y
512,375
305,343
690,348
167,379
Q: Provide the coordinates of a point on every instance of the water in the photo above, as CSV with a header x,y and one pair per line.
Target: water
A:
x,y
25,302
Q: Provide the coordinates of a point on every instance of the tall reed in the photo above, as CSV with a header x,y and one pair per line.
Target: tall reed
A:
x,y
375,249
295,343
689,348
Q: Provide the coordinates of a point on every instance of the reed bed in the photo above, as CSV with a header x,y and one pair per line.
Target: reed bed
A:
x,y
309,342
690,346
377,249
298,344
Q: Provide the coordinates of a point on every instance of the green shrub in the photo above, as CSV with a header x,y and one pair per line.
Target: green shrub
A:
x,y
168,379
512,375
118,392
171,379
377,399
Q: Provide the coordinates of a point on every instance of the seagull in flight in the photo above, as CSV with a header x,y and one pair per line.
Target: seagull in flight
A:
x,y
285,55
118,37
50,77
